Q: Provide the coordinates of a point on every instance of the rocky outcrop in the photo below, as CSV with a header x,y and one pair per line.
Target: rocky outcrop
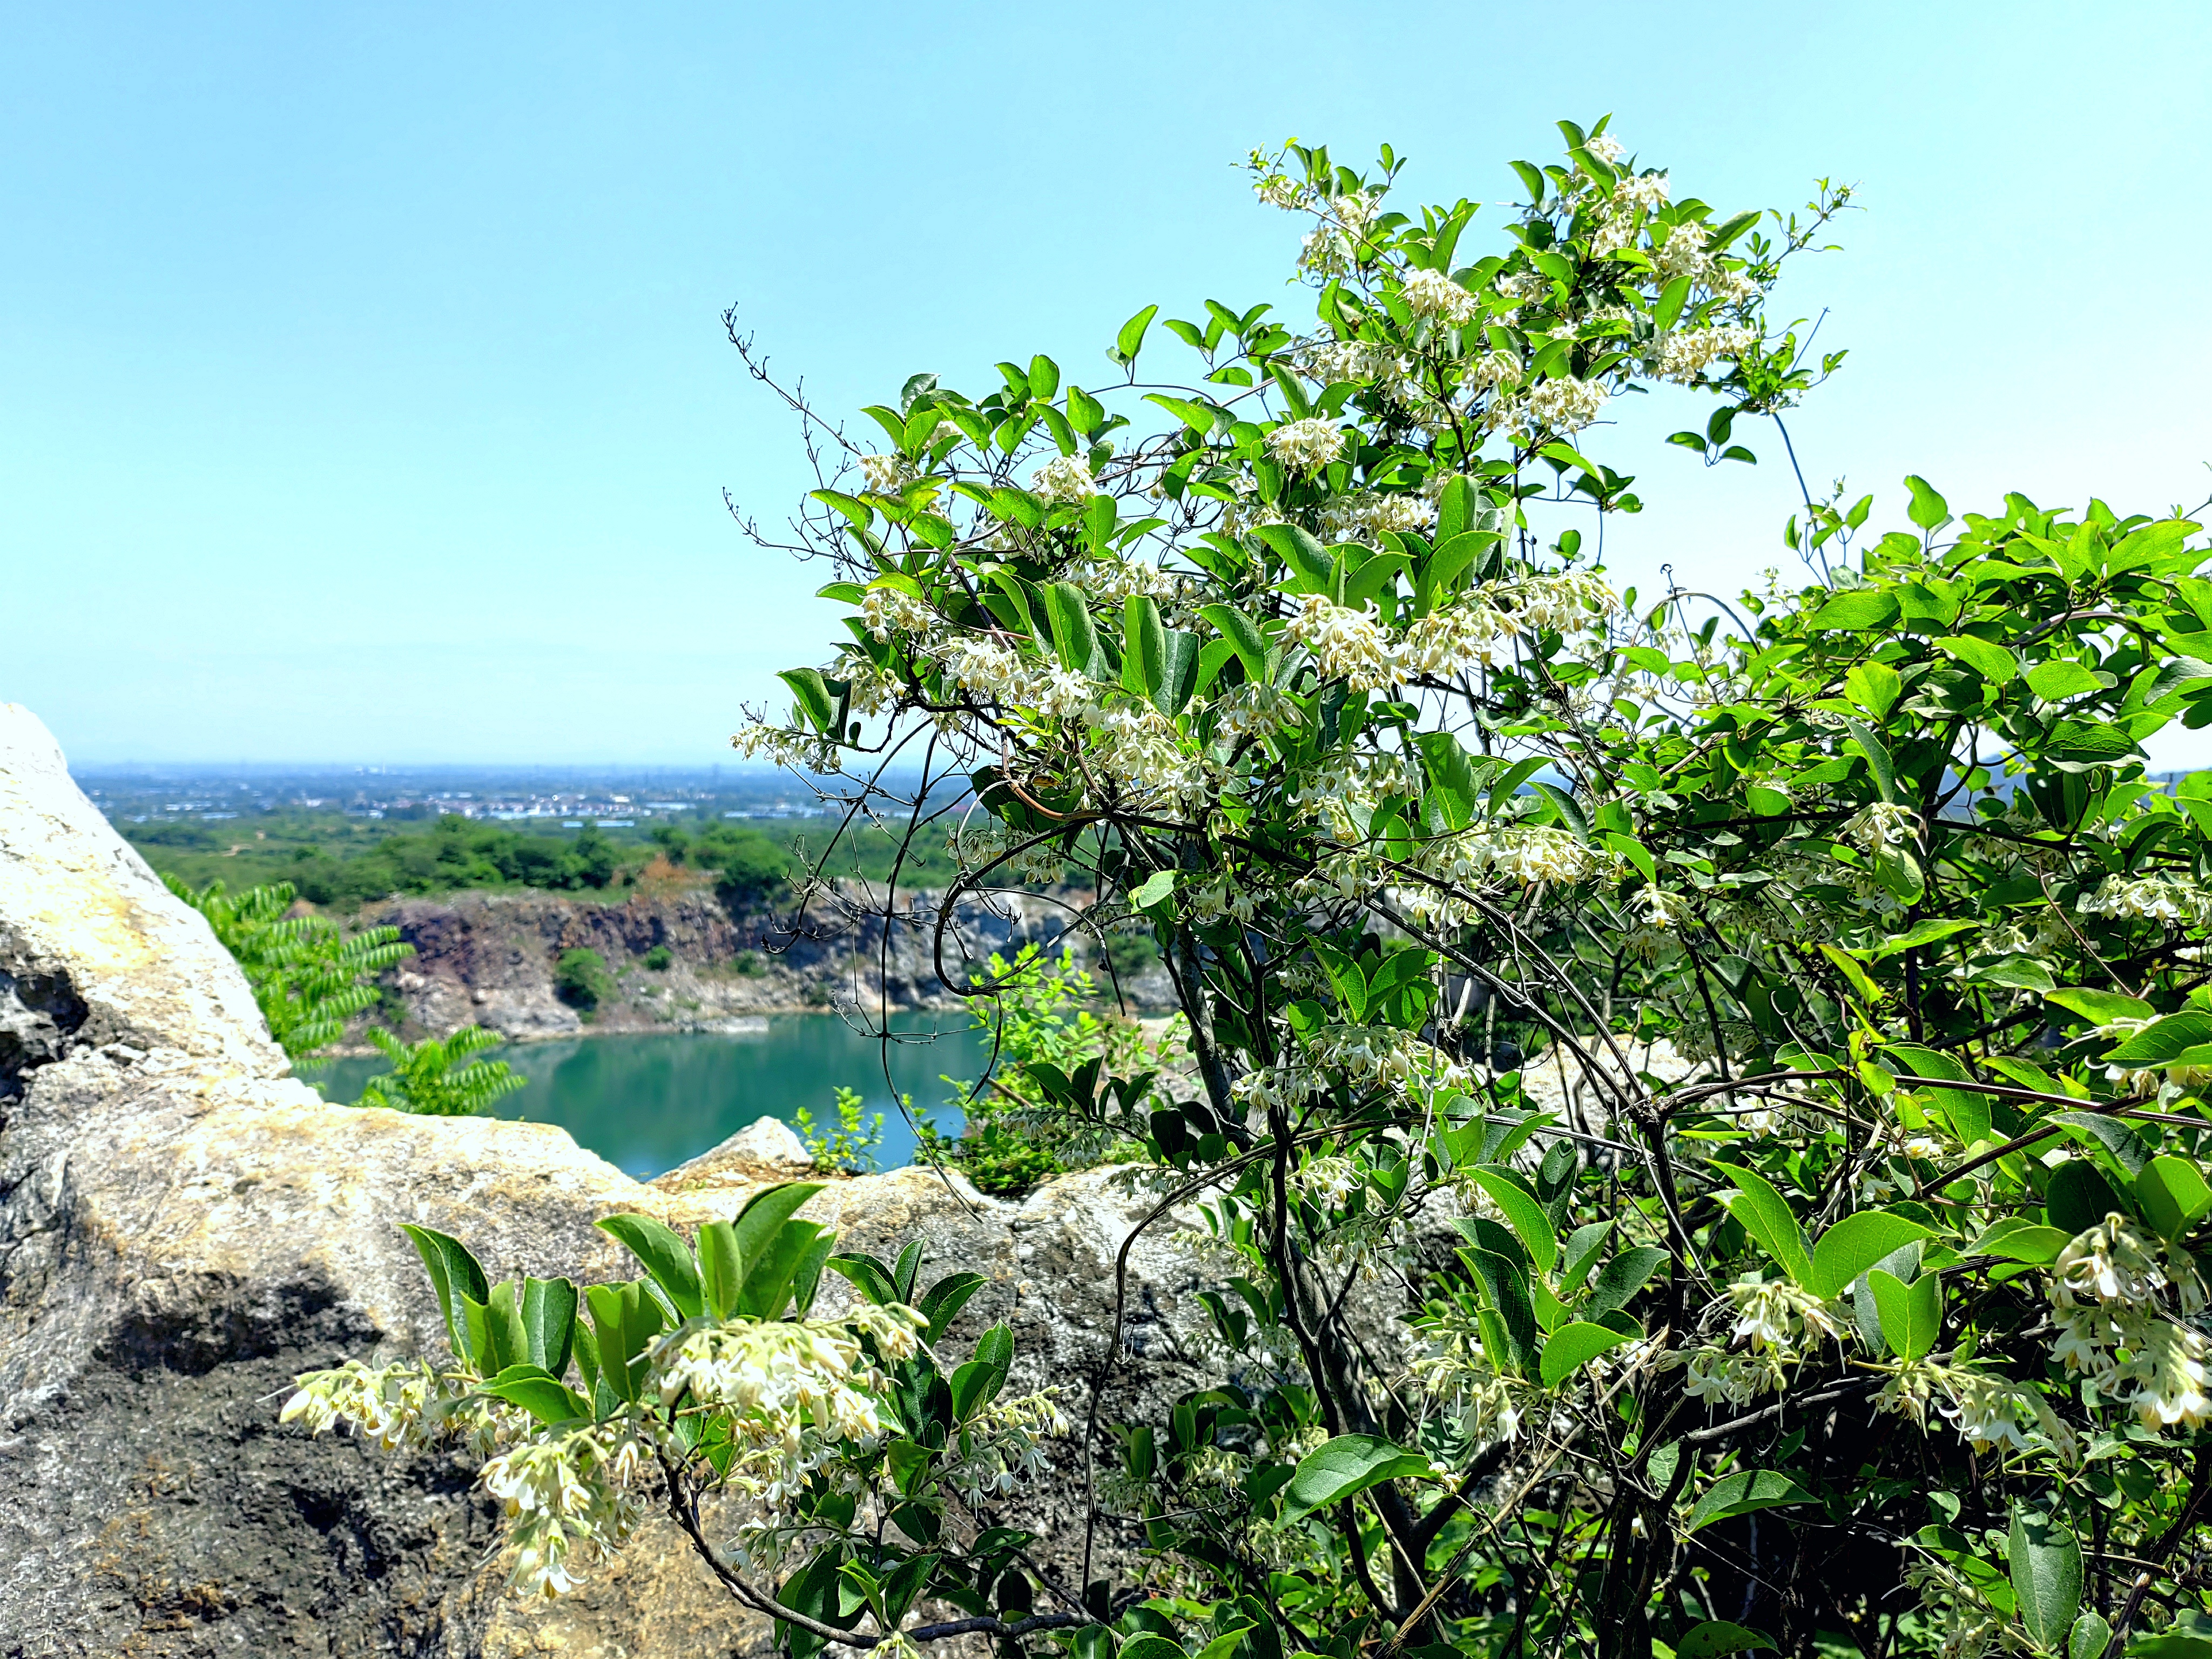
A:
x,y
183,1227
488,958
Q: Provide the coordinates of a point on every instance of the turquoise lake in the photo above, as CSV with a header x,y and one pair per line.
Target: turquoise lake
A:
x,y
648,1103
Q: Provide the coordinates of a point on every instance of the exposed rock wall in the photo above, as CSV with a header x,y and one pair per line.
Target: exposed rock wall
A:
x,y
183,1227
488,958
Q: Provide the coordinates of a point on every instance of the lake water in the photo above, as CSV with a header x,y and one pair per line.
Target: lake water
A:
x,y
646,1104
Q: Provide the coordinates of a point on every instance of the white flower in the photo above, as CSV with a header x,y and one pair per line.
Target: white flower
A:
x,y
1641,192
1432,293
888,610
1604,147
1881,826
1307,444
1064,478
1346,644
885,473
1565,403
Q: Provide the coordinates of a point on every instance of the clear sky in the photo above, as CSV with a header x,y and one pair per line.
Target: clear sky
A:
x,y
363,396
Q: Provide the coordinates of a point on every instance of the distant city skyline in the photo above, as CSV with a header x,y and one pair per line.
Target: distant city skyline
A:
x,y
366,396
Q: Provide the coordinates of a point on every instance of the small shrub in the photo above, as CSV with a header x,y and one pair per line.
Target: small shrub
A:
x,y
658,958
439,1079
851,1146
581,980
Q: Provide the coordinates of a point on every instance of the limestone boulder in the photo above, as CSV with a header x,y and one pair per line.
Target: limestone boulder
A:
x,y
184,1226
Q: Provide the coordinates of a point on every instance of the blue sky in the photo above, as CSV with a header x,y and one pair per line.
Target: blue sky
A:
x,y
363,397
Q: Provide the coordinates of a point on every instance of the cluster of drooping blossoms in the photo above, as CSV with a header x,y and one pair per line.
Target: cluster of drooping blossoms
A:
x,y
1775,1323
793,1394
1475,629
2175,901
1001,1447
2110,1290
792,1389
1477,382
569,1499
1455,1375
1369,1059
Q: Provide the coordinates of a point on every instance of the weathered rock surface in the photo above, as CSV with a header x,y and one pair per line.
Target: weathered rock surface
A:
x,y
487,958
183,1227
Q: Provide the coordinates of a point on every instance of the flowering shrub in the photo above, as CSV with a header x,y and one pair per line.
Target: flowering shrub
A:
x,y
1698,1105
712,1390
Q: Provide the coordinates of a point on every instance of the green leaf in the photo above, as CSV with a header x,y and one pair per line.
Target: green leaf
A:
x,y
2172,1193
1131,340
1148,1646
1855,1243
1145,652
942,1302
1178,672
852,506
2017,1239
1912,1314
2045,1566
2059,679
624,1321
1243,634
2079,1197
1072,635
721,1268
770,1271
2099,1007
1925,933
454,1274
1766,1215
1621,1277
667,1259
867,1275
1874,687
538,1392
1855,610
1716,1638
1523,1213
1506,1287
1742,1492
1929,510
549,1322
814,699
976,1383
2164,1040
2092,1635
1349,1464
1572,1346
2168,1645
1877,756
1985,657
1154,889
1967,1110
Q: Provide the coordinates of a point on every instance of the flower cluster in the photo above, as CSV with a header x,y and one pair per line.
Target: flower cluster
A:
x,y
1432,293
1307,445
1565,403
567,1495
1777,1321
1064,478
1882,827
2176,900
780,1379
398,1405
887,611
2108,1291
999,1449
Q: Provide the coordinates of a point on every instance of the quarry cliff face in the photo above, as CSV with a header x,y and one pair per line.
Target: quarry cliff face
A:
x,y
184,1227
489,958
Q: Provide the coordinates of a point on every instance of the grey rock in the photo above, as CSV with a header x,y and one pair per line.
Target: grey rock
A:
x,y
184,1227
